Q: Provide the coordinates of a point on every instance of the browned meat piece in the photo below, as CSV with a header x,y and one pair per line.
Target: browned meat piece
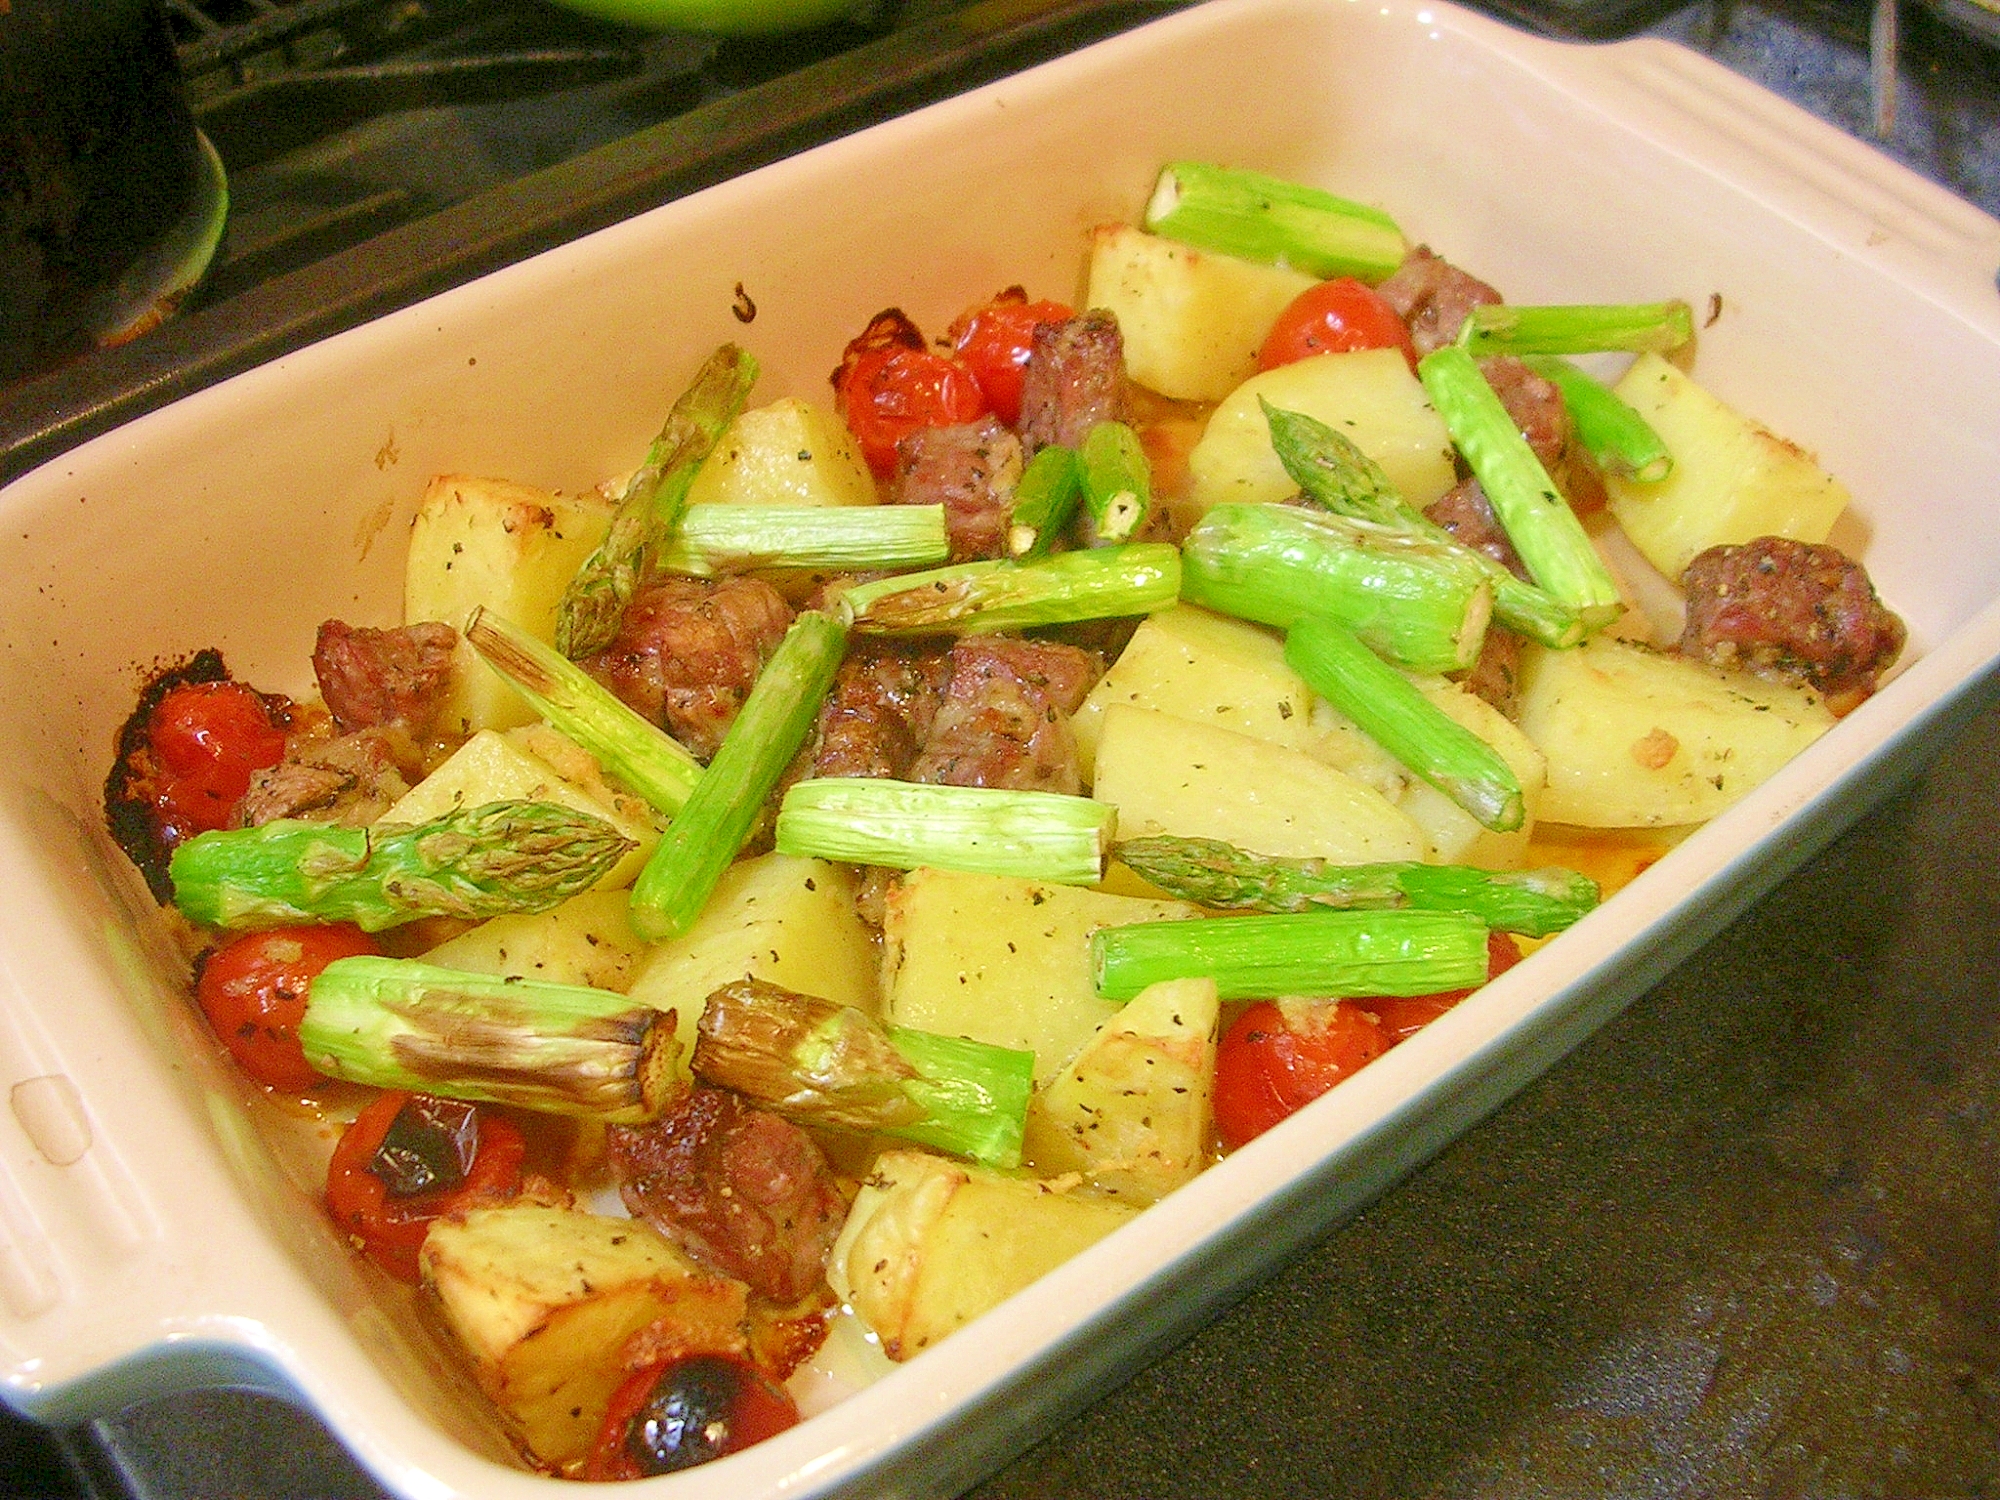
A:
x,y
688,651
1075,379
1496,675
384,679
748,1192
1465,512
880,709
1433,297
1538,410
971,470
349,778
1005,717
1792,611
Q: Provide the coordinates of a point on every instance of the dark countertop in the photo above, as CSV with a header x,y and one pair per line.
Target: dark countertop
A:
x,y
1746,1241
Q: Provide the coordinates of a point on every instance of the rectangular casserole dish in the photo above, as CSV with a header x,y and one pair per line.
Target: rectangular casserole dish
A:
x,y
156,1228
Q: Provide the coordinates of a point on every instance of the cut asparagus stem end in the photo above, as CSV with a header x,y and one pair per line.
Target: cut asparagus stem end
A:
x,y
1211,873
553,1048
649,510
1044,501
708,833
860,538
980,597
1117,481
1637,328
1538,521
1330,953
1272,221
835,1066
976,830
1621,440
650,762
472,863
1404,722
1422,603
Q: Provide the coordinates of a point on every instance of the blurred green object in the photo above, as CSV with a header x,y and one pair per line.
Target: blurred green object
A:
x,y
722,17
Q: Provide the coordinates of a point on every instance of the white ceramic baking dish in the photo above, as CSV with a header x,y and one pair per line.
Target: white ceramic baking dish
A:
x,y
152,1236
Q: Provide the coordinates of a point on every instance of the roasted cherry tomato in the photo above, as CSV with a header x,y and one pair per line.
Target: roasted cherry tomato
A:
x,y
889,385
994,342
1335,317
410,1158
672,1416
253,991
1266,1068
208,738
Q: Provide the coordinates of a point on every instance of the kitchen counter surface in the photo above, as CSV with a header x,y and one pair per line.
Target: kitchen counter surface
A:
x,y
1746,1241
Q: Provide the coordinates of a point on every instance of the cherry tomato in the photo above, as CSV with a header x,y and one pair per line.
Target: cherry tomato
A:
x,y
1335,317
672,1416
1266,1068
208,738
1403,1016
994,342
889,385
389,1226
253,991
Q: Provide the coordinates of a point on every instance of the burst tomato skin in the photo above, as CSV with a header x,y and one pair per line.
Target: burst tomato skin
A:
x,y
890,384
253,991
208,739
1267,1069
1335,317
388,1229
994,342
674,1415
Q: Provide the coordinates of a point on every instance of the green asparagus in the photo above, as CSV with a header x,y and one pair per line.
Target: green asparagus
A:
x,y
1117,481
834,1065
1267,219
733,538
1334,473
473,863
1209,872
1404,722
1420,602
709,832
650,508
555,1048
980,597
1044,501
1621,440
1538,521
1406,952
1635,328
977,830
640,754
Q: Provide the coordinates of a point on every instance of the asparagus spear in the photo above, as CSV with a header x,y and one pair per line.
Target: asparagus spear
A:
x,y
474,862
702,841
1419,602
715,538
979,830
1117,481
639,753
1044,501
1621,440
1578,328
1406,952
834,1065
1404,722
1538,521
556,1048
650,508
1331,470
976,598
1267,219
1212,873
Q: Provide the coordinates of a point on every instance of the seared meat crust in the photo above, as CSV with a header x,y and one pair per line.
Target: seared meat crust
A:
x,y
970,469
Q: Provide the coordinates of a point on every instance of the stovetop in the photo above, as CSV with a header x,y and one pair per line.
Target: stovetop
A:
x,y
531,126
